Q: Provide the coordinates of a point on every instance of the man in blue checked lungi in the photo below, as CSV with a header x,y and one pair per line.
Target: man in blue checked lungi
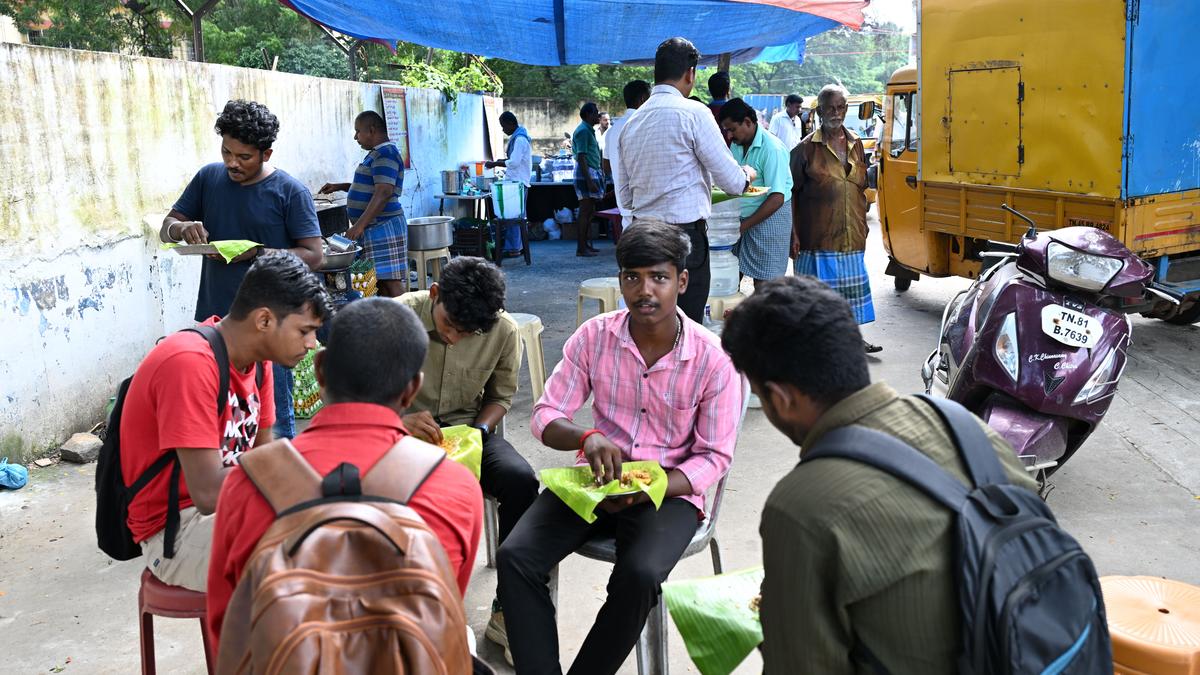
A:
x,y
829,207
373,204
766,218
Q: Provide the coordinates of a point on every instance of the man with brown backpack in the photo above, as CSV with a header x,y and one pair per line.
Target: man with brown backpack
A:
x,y
367,565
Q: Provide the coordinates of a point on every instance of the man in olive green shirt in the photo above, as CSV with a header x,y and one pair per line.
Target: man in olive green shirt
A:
x,y
470,374
857,562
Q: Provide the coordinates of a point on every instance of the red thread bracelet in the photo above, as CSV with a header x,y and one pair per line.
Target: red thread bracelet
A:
x,y
584,437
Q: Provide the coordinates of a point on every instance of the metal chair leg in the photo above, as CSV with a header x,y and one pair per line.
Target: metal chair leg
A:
x,y
718,568
491,529
652,645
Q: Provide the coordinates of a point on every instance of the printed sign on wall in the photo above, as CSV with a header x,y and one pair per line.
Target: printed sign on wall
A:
x,y
395,113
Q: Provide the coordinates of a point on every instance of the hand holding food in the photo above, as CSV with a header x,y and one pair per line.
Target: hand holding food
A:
x,y
422,426
603,457
190,231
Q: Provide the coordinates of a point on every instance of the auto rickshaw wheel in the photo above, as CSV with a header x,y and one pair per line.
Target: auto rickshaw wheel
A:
x,y
902,283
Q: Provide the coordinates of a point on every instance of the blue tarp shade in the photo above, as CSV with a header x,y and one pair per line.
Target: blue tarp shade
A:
x,y
561,32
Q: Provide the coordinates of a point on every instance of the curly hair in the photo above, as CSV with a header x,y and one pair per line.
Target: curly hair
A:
x,y
249,122
798,331
472,289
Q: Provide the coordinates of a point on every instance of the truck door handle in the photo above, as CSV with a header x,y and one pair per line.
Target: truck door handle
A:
x,y
912,181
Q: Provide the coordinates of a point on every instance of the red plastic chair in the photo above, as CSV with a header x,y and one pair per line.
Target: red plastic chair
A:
x,y
158,599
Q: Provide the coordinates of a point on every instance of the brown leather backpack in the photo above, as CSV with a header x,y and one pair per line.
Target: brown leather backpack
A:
x,y
348,579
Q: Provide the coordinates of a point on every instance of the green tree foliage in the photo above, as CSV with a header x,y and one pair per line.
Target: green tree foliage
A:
x,y
569,85
254,33
415,66
861,61
132,26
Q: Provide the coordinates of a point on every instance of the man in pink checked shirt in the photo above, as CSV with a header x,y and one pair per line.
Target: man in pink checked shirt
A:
x,y
663,390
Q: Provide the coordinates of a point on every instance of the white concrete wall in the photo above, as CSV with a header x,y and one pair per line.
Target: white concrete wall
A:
x,y
8,30
546,120
90,143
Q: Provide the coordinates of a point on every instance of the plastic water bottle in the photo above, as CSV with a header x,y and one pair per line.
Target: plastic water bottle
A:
x,y
723,266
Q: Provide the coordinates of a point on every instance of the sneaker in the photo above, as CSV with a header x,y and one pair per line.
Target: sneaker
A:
x,y
870,348
497,633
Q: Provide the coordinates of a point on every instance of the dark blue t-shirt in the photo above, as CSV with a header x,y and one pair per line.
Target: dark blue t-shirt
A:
x,y
274,212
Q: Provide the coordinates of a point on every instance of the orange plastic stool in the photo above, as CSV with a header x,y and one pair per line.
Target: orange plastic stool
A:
x,y
158,599
1155,625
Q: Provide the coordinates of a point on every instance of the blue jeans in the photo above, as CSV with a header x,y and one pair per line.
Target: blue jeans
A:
x,y
512,236
285,413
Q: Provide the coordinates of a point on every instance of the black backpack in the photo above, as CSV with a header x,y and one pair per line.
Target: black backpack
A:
x,y
113,496
1029,595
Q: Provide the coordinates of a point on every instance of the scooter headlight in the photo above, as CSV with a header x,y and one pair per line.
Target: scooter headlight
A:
x,y
1078,269
1007,353
1099,380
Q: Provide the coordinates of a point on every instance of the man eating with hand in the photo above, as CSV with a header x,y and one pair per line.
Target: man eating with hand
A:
x,y
663,390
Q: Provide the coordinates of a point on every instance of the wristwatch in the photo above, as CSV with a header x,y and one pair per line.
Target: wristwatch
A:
x,y
484,430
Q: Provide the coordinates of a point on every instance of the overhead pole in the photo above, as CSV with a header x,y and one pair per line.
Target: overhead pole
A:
x,y
723,62
195,16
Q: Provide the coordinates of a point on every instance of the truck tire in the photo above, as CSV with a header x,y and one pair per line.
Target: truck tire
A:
x,y
1186,317
902,283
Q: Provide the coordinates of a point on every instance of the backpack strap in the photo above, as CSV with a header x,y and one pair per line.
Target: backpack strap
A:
x,y
281,474
973,444
402,471
221,354
893,456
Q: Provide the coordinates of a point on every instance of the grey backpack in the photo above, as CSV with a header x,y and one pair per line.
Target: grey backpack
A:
x,y
1029,595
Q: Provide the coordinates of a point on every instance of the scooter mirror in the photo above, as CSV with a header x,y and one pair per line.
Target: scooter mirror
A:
x,y
866,110
1032,232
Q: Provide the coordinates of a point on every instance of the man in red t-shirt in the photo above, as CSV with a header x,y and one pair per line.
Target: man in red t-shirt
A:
x,y
171,406
370,371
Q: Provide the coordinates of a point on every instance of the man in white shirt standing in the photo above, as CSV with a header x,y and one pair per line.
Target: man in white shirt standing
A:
x,y
636,93
671,153
788,124
519,167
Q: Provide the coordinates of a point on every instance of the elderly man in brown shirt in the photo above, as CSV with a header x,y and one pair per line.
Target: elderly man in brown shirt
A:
x,y
470,374
829,207
857,561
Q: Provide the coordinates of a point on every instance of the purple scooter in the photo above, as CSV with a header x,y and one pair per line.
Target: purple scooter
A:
x,y
1036,345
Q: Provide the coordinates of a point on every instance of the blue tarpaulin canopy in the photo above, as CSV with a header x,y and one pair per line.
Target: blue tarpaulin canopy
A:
x,y
563,32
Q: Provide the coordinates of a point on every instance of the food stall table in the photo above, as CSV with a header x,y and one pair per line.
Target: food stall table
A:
x,y
546,197
481,204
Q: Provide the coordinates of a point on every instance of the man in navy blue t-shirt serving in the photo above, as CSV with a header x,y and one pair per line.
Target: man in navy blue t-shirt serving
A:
x,y
243,197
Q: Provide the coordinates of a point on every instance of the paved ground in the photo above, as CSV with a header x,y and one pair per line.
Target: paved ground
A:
x,y
1131,495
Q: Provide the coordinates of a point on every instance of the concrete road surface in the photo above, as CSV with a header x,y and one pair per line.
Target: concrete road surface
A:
x,y
1131,495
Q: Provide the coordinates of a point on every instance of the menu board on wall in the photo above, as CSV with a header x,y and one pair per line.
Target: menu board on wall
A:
x,y
494,139
395,114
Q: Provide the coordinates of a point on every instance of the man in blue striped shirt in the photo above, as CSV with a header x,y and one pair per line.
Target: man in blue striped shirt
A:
x,y
373,204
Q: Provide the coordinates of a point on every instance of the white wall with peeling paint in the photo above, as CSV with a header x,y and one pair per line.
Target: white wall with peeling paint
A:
x,y
90,144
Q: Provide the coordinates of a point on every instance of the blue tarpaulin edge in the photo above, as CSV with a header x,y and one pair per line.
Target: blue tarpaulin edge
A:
x,y
566,32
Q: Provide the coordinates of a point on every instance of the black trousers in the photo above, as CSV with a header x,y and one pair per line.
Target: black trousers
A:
x,y
693,301
649,543
505,475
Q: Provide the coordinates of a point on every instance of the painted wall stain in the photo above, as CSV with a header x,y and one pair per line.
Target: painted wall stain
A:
x,y
92,302
46,292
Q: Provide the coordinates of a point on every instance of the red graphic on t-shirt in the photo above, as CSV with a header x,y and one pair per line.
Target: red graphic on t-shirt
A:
x,y
241,427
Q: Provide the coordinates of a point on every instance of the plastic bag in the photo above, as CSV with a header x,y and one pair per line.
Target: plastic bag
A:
x,y
464,445
564,216
13,476
717,618
576,486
